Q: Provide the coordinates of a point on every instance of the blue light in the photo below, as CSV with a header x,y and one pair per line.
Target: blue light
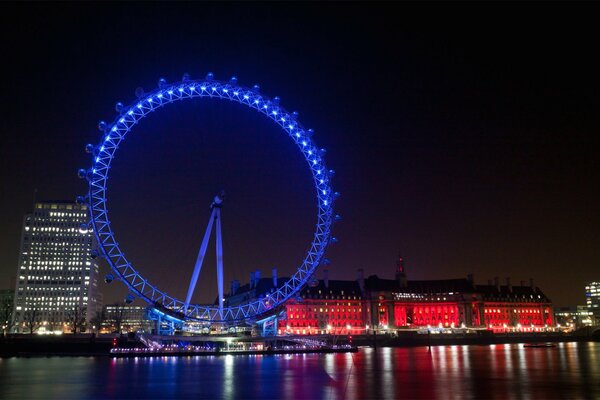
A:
x,y
268,107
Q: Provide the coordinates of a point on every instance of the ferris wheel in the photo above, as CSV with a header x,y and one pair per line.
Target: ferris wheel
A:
x,y
108,247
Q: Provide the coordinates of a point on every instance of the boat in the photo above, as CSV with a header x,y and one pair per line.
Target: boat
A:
x,y
539,345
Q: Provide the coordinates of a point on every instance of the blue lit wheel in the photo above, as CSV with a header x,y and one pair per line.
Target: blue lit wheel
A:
x,y
130,116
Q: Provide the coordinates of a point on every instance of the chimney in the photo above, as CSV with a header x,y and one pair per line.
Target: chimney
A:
x,y
400,273
508,285
326,278
360,278
497,283
252,280
274,277
531,283
235,285
256,277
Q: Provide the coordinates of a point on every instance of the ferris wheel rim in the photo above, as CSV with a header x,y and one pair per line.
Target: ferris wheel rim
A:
x,y
129,116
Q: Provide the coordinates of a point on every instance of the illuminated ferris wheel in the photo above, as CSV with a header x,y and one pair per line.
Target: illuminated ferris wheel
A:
x,y
108,247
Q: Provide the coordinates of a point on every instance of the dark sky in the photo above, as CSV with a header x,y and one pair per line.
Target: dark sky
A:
x,y
463,136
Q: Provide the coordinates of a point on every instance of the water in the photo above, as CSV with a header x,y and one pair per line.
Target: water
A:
x,y
569,371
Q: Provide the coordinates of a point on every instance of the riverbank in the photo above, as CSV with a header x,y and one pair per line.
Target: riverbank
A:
x,y
89,345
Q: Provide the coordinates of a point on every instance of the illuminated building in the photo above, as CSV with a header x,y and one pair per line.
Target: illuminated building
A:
x,y
56,278
363,305
125,318
326,306
573,317
592,298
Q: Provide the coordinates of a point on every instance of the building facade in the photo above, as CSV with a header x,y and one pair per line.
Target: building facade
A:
x,y
360,306
57,281
118,318
592,298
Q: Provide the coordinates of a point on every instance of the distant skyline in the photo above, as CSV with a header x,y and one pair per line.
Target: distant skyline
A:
x,y
466,145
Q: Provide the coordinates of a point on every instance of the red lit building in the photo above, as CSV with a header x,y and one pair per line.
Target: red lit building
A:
x,y
357,306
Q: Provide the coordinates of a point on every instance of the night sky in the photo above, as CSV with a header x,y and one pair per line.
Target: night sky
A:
x,y
463,137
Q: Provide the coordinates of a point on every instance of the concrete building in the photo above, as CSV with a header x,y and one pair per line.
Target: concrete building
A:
x,y
57,281
125,318
592,298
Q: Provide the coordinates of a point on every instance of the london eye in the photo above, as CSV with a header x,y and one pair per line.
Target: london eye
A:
x,y
130,116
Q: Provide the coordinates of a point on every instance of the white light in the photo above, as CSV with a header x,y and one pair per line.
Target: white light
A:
x,y
246,97
319,173
324,192
304,143
122,120
150,100
291,126
214,88
310,152
107,139
255,101
160,96
130,113
236,93
226,90
325,202
97,159
114,129
274,112
139,106
297,134
192,88
170,92
203,87
321,181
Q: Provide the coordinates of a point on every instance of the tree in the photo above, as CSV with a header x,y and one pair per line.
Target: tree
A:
x,y
76,318
31,320
96,321
118,316
7,318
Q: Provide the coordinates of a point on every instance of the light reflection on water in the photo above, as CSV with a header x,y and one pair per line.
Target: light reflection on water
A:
x,y
569,370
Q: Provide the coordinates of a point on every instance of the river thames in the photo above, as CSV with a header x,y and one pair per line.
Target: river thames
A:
x,y
511,371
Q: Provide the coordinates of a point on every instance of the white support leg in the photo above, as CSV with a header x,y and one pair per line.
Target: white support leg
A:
x,y
219,261
200,258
